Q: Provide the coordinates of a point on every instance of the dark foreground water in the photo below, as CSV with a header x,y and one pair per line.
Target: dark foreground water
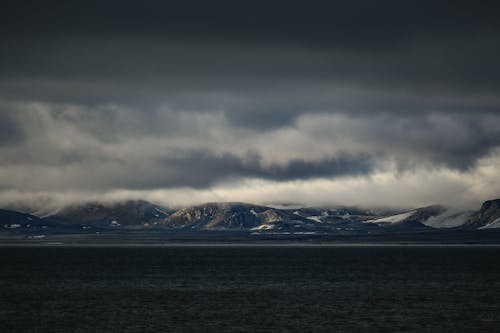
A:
x,y
250,289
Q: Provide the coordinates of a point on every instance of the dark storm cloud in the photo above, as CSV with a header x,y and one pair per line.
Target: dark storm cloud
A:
x,y
11,133
195,169
456,140
272,59
101,95
200,169
350,22
439,40
62,135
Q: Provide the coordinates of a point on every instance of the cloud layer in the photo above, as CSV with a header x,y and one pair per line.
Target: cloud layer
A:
x,y
321,103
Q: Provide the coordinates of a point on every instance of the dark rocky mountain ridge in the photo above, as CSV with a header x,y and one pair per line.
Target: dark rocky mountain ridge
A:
x,y
238,216
126,213
244,217
488,215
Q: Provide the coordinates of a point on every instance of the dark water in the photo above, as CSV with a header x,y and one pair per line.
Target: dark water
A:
x,y
250,289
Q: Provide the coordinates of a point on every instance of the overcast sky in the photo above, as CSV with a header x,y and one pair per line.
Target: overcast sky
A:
x,y
393,103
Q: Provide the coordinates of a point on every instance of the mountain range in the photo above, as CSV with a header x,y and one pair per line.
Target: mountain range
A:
x,y
227,217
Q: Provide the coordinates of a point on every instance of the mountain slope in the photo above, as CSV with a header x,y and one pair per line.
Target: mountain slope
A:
x,y
15,221
234,216
126,213
411,219
488,216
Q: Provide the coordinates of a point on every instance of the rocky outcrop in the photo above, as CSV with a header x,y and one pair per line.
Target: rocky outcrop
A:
x,y
488,216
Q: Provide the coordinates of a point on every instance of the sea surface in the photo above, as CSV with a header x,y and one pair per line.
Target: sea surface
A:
x,y
282,288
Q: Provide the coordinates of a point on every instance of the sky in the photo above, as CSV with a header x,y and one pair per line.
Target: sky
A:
x,y
368,103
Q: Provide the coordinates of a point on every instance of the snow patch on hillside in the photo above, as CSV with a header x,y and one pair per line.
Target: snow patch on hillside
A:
x,y
161,211
314,218
392,219
492,225
448,219
263,227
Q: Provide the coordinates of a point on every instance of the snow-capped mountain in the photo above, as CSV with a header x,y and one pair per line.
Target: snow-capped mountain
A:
x,y
256,219
488,216
233,216
416,218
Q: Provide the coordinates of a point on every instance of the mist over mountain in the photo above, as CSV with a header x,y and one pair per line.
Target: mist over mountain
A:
x,y
248,220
